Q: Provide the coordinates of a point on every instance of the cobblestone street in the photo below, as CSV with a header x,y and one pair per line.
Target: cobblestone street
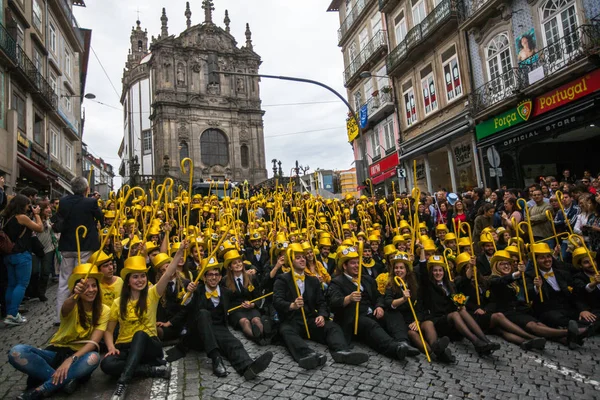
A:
x,y
511,374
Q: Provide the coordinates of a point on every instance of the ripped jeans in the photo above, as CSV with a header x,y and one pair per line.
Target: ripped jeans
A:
x,y
38,364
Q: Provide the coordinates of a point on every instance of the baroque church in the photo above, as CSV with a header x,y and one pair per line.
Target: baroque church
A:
x,y
181,98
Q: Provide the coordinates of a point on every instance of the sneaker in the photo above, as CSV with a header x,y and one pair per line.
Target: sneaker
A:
x,y
17,320
120,392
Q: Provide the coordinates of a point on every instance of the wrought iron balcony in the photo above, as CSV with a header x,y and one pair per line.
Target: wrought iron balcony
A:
x,y
352,16
8,45
385,6
34,80
477,12
549,61
65,6
368,53
379,101
419,34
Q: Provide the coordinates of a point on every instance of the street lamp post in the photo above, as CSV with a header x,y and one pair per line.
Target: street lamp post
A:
x,y
362,145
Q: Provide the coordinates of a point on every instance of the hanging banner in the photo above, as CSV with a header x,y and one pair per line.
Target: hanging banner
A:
x,y
352,129
364,116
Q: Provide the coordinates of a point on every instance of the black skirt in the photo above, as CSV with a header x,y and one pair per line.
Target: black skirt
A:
x,y
519,317
237,315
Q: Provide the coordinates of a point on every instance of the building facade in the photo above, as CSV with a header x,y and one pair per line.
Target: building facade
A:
x,y
536,87
43,65
99,173
364,41
182,99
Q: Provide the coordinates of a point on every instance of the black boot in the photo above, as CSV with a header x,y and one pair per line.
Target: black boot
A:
x,y
349,357
311,361
258,365
446,357
537,343
439,346
162,371
120,392
218,367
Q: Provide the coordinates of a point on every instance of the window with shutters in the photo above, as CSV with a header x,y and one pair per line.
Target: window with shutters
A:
x,y
400,27
410,107
430,101
452,77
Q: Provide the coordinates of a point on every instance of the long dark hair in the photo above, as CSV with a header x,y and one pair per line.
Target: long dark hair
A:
x,y
486,207
18,205
140,308
410,279
96,309
43,204
449,285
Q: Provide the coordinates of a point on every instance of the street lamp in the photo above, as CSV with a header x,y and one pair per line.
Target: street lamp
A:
x,y
90,96
362,144
367,74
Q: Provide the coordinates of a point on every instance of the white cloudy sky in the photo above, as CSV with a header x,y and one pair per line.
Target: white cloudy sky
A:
x,y
295,38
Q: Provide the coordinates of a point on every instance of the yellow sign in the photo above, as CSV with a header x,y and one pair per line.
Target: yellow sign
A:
x,y
352,128
22,139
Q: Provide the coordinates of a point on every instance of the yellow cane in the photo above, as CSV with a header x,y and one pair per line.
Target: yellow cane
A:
x,y
251,301
90,175
190,165
550,218
360,263
290,261
446,251
519,241
573,241
401,283
79,250
466,225
522,203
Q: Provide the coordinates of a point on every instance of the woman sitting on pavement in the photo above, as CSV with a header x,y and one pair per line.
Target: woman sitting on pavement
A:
x,y
137,351
73,352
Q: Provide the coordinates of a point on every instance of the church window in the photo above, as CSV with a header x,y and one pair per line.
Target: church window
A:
x,y
214,149
147,141
244,156
184,151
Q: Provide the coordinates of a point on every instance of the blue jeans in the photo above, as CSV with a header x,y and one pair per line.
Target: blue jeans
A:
x,y
18,268
36,363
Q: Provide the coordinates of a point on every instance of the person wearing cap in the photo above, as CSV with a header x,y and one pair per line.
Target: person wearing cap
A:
x,y
486,243
342,296
311,299
447,317
208,328
485,313
396,303
559,308
73,351
507,294
244,288
586,281
256,254
137,350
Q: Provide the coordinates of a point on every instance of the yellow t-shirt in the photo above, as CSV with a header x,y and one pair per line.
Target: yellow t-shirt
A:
x,y
111,292
70,329
131,323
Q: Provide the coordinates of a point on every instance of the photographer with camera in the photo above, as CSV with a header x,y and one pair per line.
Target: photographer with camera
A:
x,y
18,226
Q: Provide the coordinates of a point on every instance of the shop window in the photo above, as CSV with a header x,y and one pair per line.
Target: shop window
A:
x,y
38,128
410,106
559,23
400,27
214,148
452,74
418,11
430,103
147,141
245,156
54,143
18,104
498,61
184,151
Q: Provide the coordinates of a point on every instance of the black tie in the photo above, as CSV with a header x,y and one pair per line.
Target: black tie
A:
x,y
170,286
239,284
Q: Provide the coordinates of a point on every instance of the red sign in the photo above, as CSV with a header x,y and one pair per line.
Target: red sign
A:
x,y
383,165
389,174
572,91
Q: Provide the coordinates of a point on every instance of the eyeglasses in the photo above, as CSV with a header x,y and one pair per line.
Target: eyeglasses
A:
x,y
504,263
212,275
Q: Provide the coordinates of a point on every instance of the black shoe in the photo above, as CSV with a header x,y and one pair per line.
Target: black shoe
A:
x,y
120,392
218,367
322,359
256,332
163,371
267,326
71,386
440,345
258,365
401,350
42,298
537,343
349,357
573,335
309,362
33,394
482,348
410,351
56,324
446,357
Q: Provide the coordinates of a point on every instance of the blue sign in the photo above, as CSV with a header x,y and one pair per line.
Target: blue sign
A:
x,y
364,117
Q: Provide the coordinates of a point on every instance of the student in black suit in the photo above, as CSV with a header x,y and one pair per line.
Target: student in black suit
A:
x,y
371,267
342,297
483,260
324,247
586,282
257,255
208,331
559,308
288,305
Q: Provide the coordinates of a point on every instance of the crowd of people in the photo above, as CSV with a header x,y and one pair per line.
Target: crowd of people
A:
x,y
406,275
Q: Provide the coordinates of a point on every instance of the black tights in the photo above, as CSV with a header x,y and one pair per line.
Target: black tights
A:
x,y
143,349
466,326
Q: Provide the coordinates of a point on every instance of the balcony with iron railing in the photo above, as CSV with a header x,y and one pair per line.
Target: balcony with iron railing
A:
x,y
352,16
436,25
472,13
371,53
66,10
380,105
386,6
534,73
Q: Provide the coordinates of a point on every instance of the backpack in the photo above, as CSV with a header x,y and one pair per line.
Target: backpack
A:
x,y
6,244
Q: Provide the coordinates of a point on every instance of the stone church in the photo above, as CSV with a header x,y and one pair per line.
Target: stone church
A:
x,y
181,100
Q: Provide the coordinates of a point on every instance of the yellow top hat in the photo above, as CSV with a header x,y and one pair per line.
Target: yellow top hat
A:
x,y
130,221
464,242
225,248
441,227
399,256
487,230
306,246
579,254
295,248
348,242
134,265
449,236
210,263
134,241
422,225
99,257
348,197
345,227
407,236
255,235
325,235
160,259
500,255
512,250
429,245
324,241
500,230
398,239
374,238
539,248
461,260
151,246
80,271
346,254
230,256
174,247
389,250
110,214
435,260
404,224
485,238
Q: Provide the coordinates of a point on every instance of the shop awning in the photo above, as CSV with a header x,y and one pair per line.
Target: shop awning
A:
x,y
34,170
387,174
434,139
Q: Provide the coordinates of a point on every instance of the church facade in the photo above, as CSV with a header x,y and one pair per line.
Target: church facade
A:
x,y
183,97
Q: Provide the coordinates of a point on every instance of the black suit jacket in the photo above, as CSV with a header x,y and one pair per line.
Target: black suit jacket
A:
x,y
172,310
483,265
78,210
564,298
284,293
200,302
588,300
341,287
329,263
261,264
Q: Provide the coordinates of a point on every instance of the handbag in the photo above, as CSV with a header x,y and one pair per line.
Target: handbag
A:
x,y
6,244
37,247
58,221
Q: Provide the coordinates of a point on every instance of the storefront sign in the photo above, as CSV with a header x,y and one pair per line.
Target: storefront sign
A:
x,y
504,121
383,165
565,94
22,140
560,124
462,154
420,171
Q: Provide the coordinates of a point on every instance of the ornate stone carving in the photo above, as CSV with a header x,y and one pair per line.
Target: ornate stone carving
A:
x,y
196,67
180,74
213,89
239,85
212,122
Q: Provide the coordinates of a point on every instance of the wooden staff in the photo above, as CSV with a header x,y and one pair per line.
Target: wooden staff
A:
x,y
531,241
360,263
251,301
401,283
290,261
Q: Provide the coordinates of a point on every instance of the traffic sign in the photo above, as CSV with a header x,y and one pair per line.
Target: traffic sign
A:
x,y
401,172
493,156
